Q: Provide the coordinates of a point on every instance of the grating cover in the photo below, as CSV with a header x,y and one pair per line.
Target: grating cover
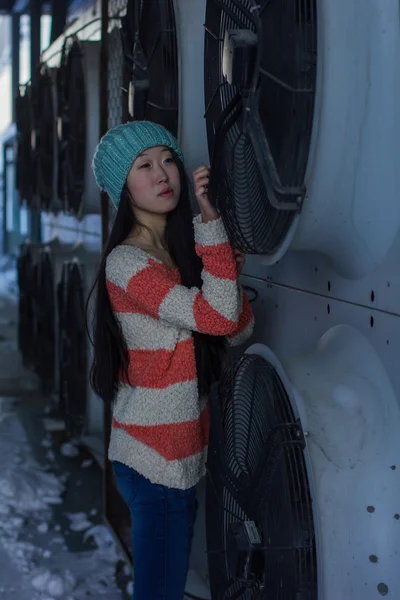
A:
x,y
260,530
151,63
259,113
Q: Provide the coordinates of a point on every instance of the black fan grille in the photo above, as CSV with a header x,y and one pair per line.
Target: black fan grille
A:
x,y
285,105
73,350
27,317
25,181
151,62
44,137
257,472
46,324
71,87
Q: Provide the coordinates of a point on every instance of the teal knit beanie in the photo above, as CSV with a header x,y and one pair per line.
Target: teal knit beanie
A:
x,y
119,148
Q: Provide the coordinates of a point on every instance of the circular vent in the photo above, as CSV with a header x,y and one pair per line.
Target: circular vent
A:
x,y
25,166
151,63
260,76
260,530
26,314
46,350
45,136
72,349
71,86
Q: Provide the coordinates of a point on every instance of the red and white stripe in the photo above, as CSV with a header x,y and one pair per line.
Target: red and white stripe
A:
x,y
160,425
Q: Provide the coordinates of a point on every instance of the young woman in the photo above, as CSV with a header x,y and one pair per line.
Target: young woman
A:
x,y
168,302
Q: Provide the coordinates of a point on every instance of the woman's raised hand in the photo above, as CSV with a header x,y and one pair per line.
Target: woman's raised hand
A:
x,y
201,180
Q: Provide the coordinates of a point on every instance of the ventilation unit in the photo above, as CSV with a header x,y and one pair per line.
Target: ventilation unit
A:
x,y
83,411
151,63
25,166
26,314
51,259
79,97
45,141
163,44
300,127
46,323
36,328
39,270
72,347
303,484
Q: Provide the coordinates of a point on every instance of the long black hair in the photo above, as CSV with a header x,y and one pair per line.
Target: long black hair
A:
x,y
110,354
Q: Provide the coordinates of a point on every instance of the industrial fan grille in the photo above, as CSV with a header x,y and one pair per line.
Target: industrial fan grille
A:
x,y
257,482
259,125
26,320
46,349
45,138
71,87
72,349
150,79
25,165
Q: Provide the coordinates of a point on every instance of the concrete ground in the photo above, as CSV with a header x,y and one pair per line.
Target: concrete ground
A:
x,y
53,542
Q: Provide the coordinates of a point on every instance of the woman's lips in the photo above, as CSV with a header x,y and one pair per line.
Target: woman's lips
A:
x,y
166,194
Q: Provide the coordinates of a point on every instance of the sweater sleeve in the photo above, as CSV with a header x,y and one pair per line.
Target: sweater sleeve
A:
x,y
147,287
245,325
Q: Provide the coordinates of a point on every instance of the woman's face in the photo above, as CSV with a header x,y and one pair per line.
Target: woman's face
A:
x,y
154,181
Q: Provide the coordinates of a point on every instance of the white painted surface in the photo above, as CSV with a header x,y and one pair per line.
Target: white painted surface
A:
x,y
351,418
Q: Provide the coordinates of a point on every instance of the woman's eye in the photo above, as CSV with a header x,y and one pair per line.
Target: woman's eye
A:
x,y
169,160
144,165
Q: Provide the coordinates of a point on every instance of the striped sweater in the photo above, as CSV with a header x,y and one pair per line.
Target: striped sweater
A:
x,y
160,425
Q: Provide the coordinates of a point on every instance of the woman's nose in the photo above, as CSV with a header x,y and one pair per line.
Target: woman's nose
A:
x,y
162,174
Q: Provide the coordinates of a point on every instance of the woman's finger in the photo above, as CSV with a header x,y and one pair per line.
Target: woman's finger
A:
x,y
200,171
201,168
202,180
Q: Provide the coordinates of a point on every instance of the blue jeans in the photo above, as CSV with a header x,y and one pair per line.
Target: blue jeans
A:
x,y
162,531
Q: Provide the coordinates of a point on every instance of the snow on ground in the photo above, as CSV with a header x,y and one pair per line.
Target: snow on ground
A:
x,y
8,277
42,562
34,561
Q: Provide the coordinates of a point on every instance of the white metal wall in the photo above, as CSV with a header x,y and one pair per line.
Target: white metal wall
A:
x,y
301,297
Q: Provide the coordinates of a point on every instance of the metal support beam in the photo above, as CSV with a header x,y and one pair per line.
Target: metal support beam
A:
x,y
35,9
105,224
4,207
104,105
59,12
15,59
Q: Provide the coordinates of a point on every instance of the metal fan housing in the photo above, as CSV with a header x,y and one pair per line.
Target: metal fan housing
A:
x,y
350,417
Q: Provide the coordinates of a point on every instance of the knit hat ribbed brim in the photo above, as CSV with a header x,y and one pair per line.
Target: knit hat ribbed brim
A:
x,y
119,148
